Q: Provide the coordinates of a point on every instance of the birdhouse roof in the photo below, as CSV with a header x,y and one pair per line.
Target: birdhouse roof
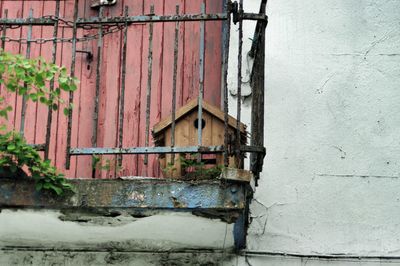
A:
x,y
192,106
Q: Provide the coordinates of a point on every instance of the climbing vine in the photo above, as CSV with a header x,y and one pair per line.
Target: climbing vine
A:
x,y
31,79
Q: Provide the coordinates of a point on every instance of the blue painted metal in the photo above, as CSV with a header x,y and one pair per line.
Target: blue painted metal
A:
x,y
239,232
140,194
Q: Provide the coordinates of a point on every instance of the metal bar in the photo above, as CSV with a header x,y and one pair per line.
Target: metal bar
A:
x,y
259,26
154,18
53,60
254,16
27,21
98,68
132,19
28,55
3,38
225,84
149,75
257,85
113,20
249,148
201,81
96,99
176,46
122,95
71,93
38,147
239,86
147,150
134,196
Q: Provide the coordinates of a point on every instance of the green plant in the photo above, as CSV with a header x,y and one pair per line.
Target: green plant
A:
x,y
198,169
99,163
16,153
31,78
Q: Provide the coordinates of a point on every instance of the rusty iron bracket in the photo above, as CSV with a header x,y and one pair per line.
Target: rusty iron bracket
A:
x,y
239,15
89,54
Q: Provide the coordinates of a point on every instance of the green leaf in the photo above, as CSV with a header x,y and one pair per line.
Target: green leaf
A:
x,y
56,189
66,111
38,186
11,147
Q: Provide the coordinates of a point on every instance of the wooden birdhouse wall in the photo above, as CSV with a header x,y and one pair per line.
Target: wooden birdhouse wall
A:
x,y
186,134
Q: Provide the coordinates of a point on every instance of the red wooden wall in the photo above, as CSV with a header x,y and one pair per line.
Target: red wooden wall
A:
x,y
136,78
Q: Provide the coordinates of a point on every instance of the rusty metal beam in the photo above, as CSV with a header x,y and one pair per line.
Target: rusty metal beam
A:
x,y
257,84
147,150
43,21
140,193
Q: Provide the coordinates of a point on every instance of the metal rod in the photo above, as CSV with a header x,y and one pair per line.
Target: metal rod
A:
x,y
28,55
122,95
71,93
113,20
147,150
149,75
38,147
155,19
96,99
133,19
254,16
53,60
176,46
257,85
3,38
259,27
225,84
98,68
27,21
239,86
201,82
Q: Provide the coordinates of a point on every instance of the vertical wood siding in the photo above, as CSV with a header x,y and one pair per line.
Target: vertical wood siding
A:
x,y
110,79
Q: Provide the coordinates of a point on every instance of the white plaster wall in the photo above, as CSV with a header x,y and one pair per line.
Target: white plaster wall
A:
x,y
43,229
331,180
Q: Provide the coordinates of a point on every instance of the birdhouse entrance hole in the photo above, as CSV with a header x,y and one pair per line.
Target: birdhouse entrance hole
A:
x,y
196,123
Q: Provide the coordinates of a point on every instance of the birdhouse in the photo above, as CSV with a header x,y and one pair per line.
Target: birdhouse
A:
x,y
186,134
